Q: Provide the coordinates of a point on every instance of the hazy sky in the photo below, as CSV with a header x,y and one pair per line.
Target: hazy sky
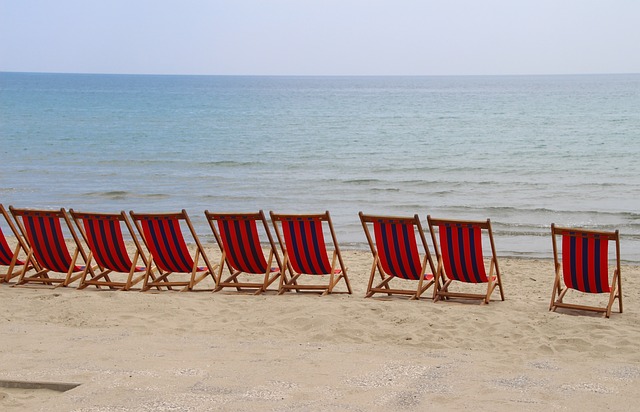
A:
x,y
326,37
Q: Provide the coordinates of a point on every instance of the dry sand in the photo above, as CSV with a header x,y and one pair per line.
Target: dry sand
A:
x,y
199,351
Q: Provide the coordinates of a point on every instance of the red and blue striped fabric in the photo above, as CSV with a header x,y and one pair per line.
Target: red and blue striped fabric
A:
x,y
166,244
241,244
461,248
585,262
104,237
45,237
305,245
6,254
397,248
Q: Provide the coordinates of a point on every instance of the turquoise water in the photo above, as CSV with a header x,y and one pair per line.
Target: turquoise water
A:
x,y
524,151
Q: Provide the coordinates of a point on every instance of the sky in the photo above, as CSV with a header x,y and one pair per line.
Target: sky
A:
x,y
321,37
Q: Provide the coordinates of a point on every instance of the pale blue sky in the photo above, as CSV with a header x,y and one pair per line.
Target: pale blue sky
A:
x,y
324,37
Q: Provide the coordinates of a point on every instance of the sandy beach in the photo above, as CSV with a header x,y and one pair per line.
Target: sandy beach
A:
x,y
198,351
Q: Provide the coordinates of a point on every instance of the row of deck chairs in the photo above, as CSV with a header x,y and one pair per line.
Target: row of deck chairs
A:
x,y
401,258
169,263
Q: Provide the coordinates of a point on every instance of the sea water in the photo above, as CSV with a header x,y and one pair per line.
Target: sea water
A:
x,y
524,151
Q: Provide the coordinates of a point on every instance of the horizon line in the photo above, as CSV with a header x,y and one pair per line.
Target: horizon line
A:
x,y
321,75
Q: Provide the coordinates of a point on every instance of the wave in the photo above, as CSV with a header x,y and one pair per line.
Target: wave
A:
x,y
123,195
231,198
408,168
387,189
520,233
542,210
398,184
359,181
230,163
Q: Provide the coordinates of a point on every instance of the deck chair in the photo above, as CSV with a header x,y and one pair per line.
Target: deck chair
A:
x,y
460,258
585,267
162,235
103,233
302,241
44,237
8,256
238,237
396,255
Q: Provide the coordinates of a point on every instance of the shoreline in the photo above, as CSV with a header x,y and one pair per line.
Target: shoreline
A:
x,y
212,249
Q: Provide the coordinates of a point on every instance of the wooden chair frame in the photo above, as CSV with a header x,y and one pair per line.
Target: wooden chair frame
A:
x,y
106,271
560,288
41,276
444,280
395,259
12,256
338,270
196,273
246,246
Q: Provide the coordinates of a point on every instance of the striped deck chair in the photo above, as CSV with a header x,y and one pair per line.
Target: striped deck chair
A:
x,y
9,257
162,234
461,259
238,237
302,241
585,267
43,233
396,255
102,232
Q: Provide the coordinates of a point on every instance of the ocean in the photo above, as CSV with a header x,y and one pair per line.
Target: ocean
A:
x,y
524,151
